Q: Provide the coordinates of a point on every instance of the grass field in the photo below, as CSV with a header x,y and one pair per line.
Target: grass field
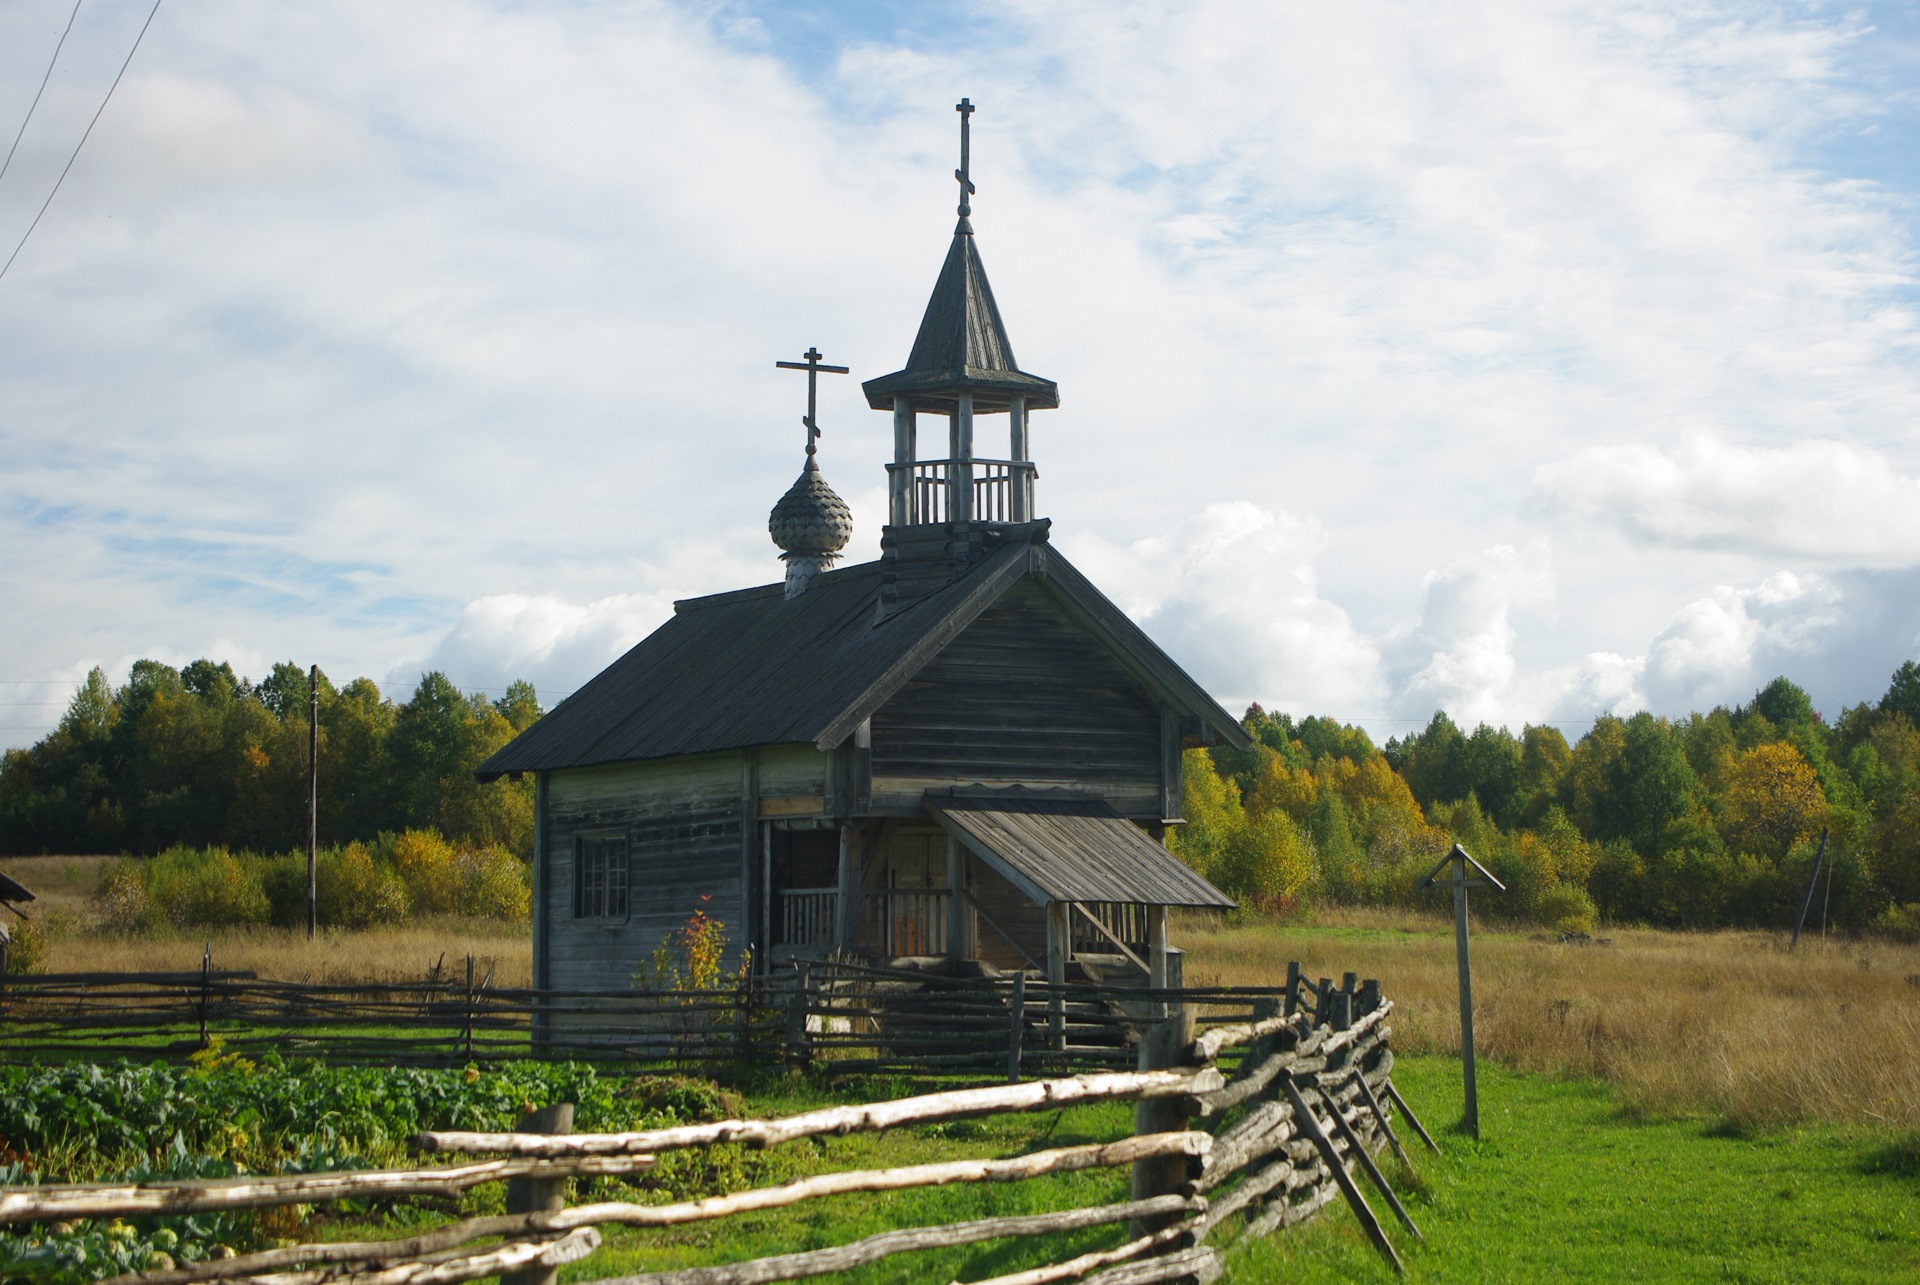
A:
x,y
1728,1023
1562,1186
1657,1106
64,887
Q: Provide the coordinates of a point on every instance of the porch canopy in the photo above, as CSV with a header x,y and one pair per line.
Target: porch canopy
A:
x,y
1073,851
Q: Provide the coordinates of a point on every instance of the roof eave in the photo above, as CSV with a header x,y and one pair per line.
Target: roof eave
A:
x,y
938,390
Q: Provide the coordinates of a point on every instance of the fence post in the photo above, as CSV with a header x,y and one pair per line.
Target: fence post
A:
x,y
539,1195
1165,1046
206,989
797,1016
466,1035
1293,987
1017,1032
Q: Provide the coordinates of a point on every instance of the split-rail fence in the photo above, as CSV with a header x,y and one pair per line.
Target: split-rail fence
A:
x,y
1240,1128
859,1017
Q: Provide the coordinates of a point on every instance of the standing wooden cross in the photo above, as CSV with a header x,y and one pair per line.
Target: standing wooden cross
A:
x,y
813,368
966,109
1460,881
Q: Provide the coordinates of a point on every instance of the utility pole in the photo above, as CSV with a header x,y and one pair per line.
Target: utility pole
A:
x,y
313,799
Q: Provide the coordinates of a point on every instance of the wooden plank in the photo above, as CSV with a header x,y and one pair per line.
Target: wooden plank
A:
x,y
793,805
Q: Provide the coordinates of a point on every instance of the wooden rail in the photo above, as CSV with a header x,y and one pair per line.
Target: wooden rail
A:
x,y
1240,1129
857,1016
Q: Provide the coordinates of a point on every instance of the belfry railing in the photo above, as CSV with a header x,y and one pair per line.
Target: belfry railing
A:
x,y
995,491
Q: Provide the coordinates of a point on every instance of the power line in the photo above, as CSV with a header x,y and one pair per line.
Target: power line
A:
x,y
43,88
83,138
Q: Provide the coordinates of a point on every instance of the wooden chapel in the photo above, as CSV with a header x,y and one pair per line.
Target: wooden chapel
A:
x,y
959,754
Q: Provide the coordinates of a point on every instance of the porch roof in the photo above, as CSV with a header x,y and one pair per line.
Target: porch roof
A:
x,y
1073,851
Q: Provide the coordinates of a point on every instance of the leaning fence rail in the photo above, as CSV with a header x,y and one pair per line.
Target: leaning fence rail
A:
x,y
1240,1128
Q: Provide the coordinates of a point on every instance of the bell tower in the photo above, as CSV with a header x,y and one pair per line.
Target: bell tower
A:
x,y
944,514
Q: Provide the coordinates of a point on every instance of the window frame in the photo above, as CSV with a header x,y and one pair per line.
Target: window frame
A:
x,y
603,891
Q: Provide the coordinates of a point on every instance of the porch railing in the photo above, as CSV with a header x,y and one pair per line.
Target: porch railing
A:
x,y
807,916
994,491
904,921
1126,920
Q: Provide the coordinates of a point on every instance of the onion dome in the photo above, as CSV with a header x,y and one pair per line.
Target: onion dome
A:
x,y
810,521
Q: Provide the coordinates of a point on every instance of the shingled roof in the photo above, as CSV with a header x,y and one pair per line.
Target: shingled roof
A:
x,y
962,345
754,667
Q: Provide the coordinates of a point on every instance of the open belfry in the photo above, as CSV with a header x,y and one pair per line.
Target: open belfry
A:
x,y
960,756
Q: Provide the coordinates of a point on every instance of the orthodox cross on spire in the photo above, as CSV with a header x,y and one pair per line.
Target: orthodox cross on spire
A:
x,y
813,368
966,109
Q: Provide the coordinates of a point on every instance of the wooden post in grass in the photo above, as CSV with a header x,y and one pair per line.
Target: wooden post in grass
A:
x,y
1017,1030
313,799
466,1035
1807,900
1164,1047
539,1195
1460,880
206,992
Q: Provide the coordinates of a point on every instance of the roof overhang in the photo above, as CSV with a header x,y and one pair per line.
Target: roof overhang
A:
x,y
1073,852
939,390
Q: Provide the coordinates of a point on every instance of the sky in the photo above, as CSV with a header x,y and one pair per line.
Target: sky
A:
x,y
1519,358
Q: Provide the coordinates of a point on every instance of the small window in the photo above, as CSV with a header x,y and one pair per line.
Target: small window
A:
x,y
600,877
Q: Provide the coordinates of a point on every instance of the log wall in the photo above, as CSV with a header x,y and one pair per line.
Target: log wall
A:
x,y
1021,697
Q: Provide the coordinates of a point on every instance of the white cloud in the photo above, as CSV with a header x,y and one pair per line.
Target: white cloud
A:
x,y
1824,500
1460,656
1722,647
352,316
555,645
1232,595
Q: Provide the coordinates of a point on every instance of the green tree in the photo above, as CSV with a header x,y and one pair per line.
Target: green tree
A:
x,y
1903,693
1434,762
1491,763
1649,786
1544,756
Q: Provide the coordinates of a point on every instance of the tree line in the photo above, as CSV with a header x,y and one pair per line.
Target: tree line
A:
x,y
203,757
1712,820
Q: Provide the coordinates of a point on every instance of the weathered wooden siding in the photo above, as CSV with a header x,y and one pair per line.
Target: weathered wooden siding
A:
x,y
682,818
792,771
1022,696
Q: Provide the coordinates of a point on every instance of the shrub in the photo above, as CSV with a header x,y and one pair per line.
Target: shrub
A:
x,y
206,887
426,866
494,884
126,908
26,952
357,891
1899,922
1567,908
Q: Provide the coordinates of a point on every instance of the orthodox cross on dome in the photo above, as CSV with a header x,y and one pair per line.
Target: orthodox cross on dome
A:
x,y
966,109
813,368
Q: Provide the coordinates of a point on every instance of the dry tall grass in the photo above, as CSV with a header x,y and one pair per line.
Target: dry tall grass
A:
x,y
1728,1023
396,953
64,887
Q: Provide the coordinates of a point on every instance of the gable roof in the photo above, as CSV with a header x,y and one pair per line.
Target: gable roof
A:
x,y
755,667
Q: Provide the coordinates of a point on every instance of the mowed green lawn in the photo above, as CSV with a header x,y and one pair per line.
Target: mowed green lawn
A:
x,y
1561,1187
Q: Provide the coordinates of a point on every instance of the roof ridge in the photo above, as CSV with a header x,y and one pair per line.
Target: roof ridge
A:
x,y
777,589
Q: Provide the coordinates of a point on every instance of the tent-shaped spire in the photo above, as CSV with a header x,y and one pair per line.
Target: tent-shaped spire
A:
x,y
962,345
